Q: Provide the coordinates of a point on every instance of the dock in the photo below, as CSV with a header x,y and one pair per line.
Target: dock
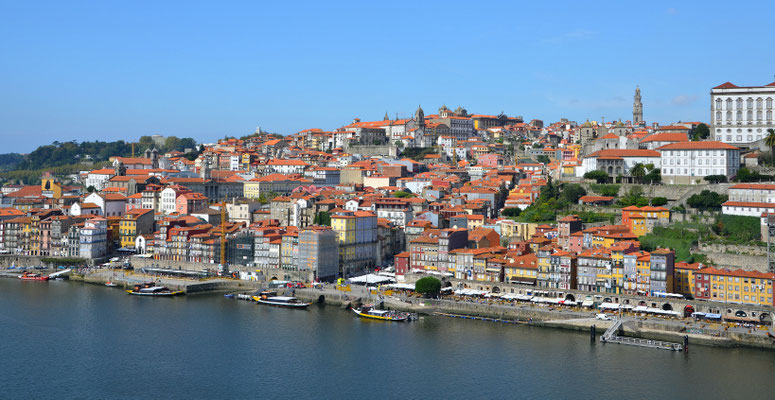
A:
x,y
610,336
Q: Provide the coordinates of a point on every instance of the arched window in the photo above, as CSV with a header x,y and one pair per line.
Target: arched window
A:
x,y
718,104
729,116
739,116
769,115
759,102
769,102
759,115
749,115
729,104
749,103
718,115
739,103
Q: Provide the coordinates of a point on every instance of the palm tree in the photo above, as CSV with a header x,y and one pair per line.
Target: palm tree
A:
x,y
770,141
638,171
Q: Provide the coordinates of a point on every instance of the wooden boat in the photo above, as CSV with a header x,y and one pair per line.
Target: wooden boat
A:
x,y
33,276
382,315
149,289
282,301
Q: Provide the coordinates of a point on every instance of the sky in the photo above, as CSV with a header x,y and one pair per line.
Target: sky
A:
x,y
110,70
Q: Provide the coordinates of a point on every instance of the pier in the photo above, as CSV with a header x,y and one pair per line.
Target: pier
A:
x,y
610,336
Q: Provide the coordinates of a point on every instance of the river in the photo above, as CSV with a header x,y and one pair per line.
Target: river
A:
x,y
70,340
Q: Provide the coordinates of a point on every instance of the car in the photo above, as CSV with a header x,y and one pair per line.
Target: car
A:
x,y
602,317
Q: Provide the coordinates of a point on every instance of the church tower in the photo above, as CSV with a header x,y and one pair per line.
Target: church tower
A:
x,y
419,117
637,109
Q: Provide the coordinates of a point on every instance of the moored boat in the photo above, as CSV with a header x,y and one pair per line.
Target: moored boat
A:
x,y
33,276
382,315
111,284
282,301
150,289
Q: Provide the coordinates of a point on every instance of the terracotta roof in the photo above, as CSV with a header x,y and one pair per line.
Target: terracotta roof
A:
x,y
707,145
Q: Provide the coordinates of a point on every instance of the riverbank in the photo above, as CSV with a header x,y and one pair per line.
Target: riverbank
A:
x,y
673,330
578,319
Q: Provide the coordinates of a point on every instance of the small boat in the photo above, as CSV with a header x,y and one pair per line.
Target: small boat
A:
x,y
33,276
282,301
382,315
243,296
229,296
150,289
111,284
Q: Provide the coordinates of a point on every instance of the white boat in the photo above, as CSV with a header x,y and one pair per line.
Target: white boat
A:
x,y
282,301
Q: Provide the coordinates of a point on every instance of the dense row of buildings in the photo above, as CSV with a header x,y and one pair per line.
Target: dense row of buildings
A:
x,y
341,202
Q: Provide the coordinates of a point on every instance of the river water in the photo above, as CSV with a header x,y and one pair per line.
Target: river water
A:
x,y
71,340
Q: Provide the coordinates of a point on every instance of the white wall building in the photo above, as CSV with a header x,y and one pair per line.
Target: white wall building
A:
x,y
741,115
690,162
618,161
750,199
98,178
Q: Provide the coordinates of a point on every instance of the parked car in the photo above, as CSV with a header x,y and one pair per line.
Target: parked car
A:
x,y
602,317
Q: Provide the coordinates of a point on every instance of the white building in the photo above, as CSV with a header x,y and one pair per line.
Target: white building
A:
x,y
99,177
168,197
286,167
94,238
750,199
617,161
741,115
690,162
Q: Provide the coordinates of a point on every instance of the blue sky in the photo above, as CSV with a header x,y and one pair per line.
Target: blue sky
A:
x,y
113,70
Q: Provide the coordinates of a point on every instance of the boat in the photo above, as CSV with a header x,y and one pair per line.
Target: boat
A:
x,y
282,301
149,289
382,315
111,284
229,296
33,276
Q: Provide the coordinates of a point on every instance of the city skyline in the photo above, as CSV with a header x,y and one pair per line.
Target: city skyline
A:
x,y
113,72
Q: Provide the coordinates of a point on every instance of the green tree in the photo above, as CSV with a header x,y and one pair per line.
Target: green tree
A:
x,y
322,218
707,200
701,132
598,176
655,176
770,141
511,212
638,171
713,179
571,193
428,286
658,201
543,159
402,194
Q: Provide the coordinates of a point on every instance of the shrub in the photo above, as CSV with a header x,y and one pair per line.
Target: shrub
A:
x,y
598,176
658,201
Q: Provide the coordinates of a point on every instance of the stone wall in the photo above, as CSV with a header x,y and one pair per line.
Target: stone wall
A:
x,y
735,261
388,150
268,273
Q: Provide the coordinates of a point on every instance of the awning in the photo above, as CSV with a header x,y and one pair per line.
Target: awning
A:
x,y
712,316
587,303
371,279
609,306
640,309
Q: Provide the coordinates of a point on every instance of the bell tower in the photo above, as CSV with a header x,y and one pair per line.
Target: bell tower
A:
x,y
637,108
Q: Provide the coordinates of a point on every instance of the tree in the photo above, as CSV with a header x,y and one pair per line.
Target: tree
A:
x,y
543,159
715,178
322,218
701,132
597,175
428,286
402,194
571,193
658,201
707,200
655,176
91,189
770,141
746,175
638,171
511,212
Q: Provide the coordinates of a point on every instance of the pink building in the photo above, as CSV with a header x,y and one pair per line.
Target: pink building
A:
x,y
190,202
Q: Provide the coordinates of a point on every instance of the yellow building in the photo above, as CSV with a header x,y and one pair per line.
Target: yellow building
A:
x,y
135,222
684,278
522,269
357,235
738,286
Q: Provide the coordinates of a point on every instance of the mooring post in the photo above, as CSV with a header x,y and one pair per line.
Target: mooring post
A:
x,y
686,343
592,333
